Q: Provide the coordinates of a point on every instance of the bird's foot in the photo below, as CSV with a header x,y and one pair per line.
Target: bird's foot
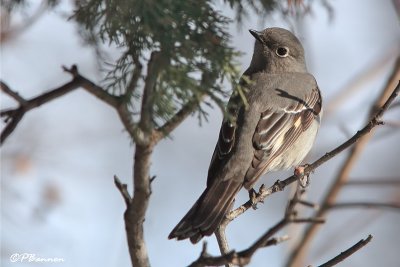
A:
x,y
253,195
299,173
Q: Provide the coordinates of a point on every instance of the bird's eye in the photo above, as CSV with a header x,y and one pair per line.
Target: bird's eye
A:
x,y
282,51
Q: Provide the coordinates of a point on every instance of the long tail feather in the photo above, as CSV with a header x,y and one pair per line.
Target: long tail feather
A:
x,y
207,213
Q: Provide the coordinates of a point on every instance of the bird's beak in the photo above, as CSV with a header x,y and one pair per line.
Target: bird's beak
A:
x,y
258,35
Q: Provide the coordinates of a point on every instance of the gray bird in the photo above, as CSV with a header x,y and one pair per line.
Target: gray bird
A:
x,y
275,131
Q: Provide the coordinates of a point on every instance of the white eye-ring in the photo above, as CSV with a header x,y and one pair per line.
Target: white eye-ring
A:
x,y
282,51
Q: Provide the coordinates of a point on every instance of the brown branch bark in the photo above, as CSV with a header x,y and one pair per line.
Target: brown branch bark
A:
x,y
117,102
238,258
348,252
134,79
243,257
146,114
136,207
123,189
365,205
387,96
14,115
177,119
223,245
207,80
136,210
374,182
6,89
135,213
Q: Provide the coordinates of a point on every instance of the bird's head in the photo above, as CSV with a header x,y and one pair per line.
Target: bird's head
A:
x,y
277,50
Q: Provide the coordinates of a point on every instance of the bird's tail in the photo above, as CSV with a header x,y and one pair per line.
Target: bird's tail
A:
x,y
208,211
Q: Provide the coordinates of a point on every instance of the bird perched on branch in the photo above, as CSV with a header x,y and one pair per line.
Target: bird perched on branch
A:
x,y
274,131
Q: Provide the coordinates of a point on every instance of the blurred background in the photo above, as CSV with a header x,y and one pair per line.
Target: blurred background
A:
x,y
58,197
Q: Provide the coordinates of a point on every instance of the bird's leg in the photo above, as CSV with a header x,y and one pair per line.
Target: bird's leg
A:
x,y
299,173
253,198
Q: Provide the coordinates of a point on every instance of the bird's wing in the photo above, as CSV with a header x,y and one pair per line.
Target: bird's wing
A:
x,y
226,139
278,129
208,211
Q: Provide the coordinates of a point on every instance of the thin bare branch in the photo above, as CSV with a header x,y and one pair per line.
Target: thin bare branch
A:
x,y
12,123
309,204
134,79
222,242
135,213
94,89
116,102
13,116
243,257
374,182
123,189
361,137
366,205
6,89
177,119
207,80
276,240
309,220
146,114
348,252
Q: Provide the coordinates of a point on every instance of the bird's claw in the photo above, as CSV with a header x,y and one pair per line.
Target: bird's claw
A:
x,y
253,198
299,173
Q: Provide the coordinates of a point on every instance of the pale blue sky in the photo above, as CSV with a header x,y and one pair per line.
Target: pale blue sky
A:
x,y
76,144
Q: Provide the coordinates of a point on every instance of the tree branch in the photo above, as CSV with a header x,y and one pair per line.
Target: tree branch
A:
x,y
243,257
207,80
222,242
362,137
135,213
137,205
116,102
177,119
123,189
13,116
134,79
347,253
146,114
374,182
4,87
367,205
276,240
92,88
